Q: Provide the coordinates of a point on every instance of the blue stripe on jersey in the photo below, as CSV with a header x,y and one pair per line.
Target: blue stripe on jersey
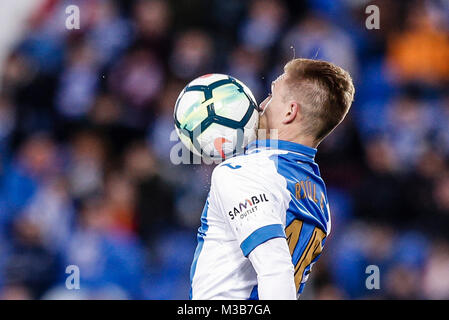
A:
x,y
254,294
201,234
294,172
261,235
296,166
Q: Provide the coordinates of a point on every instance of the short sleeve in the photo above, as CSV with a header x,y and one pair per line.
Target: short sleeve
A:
x,y
249,207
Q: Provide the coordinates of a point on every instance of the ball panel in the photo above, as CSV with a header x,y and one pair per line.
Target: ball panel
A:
x,y
185,139
218,141
229,102
253,122
247,91
207,79
191,109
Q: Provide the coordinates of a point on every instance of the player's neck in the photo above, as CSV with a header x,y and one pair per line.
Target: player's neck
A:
x,y
300,139
306,141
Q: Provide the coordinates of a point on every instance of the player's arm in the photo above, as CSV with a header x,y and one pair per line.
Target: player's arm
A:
x,y
274,268
252,211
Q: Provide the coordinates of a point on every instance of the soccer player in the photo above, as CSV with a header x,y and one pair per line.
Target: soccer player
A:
x,y
267,215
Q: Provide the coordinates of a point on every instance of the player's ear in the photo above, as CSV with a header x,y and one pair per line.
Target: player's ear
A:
x,y
292,112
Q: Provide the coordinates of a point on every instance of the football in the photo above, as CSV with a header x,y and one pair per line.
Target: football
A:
x,y
216,116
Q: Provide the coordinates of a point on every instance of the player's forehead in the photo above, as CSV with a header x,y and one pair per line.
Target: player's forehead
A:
x,y
278,81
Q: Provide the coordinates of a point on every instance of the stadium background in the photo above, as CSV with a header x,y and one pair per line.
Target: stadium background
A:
x,y
85,119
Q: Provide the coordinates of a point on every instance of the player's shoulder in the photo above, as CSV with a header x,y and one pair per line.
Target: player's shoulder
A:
x,y
254,166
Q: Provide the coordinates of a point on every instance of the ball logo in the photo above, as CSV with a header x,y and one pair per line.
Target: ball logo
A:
x,y
218,144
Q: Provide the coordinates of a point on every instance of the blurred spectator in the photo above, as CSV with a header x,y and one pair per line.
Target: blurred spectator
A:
x,y
111,33
420,53
51,209
160,133
31,268
154,197
378,196
137,79
246,64
441,198
419,199
106,110
264,24
36,162
120,202
316,38
436,274
18,72
104,254
78,82
85,167
192,55
152,20
409,122
7,120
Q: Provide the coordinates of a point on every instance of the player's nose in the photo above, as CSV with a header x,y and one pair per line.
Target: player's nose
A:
x,y
263,104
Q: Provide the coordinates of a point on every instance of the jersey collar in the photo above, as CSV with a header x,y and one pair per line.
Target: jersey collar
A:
x,y
284,145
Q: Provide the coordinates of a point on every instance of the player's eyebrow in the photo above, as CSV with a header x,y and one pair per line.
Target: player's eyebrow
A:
x,y
273,83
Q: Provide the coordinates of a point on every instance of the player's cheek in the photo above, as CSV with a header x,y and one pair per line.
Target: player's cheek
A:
x,y
262,122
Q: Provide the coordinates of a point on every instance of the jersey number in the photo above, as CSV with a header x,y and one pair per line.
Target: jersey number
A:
x,y
311,251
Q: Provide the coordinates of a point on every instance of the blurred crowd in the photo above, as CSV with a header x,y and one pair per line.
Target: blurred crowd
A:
x,y
86,119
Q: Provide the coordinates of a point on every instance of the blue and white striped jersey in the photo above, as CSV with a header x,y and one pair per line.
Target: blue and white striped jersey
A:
x,y
273,190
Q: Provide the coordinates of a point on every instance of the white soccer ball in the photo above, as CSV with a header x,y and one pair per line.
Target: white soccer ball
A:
x,y
216,116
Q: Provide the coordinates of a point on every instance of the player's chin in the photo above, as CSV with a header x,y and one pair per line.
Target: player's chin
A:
x,y
262,123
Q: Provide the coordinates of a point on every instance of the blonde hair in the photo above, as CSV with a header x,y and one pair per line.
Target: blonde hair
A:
x,y
324,91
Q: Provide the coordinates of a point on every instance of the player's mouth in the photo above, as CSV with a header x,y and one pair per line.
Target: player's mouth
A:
x,y
260,108
263,107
